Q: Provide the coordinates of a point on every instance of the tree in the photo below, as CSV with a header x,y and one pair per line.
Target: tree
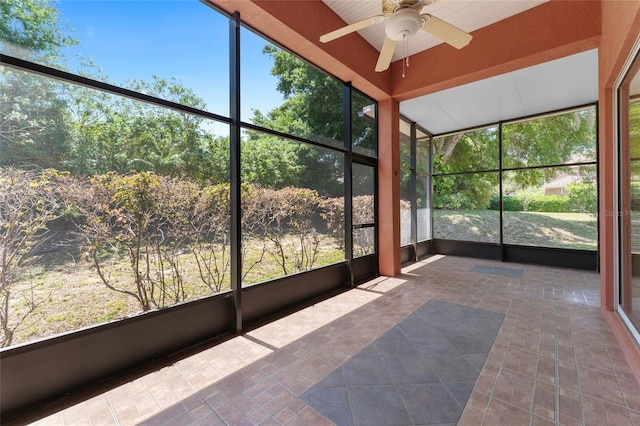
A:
x,y
32,108
271,161
28,202
465,152
33,121
312,108
547,141
31,28
118,134
552,140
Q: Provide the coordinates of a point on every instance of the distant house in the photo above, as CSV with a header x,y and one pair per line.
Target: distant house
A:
x,y
558,186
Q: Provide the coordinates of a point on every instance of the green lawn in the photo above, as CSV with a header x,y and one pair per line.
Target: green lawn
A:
x,y
59,292
69,294
561,230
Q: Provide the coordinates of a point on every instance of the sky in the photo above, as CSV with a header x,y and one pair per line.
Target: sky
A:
x,y
184,39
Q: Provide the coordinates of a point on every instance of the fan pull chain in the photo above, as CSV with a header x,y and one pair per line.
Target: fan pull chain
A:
x,y
405,48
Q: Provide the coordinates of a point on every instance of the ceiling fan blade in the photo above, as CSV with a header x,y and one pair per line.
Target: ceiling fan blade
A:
x,y
446,32
384,60
350,28
388,7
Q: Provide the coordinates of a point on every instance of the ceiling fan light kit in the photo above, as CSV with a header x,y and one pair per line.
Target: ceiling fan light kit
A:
x,y
403,24
403,20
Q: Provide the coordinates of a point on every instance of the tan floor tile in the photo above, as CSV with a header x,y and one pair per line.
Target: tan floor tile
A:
x,y
501,413
595,358
284,416
546,370
635,417
568,376
98,405
570,406
56,419
309,416
541,421
515,389
544,401
471,418
554,359
600,385
521,362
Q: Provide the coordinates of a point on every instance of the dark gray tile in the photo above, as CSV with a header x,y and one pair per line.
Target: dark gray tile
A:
x,y
395,346
410,370
459,312
368,351
421,371
488,328
477,360
365,371
430,403
394,331
497,270
431,308
461,392
415,325
445,326
466,343
377,405
432,345
335,378
452,368
331,402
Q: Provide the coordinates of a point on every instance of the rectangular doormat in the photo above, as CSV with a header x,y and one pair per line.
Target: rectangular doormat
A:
x,y
420,372
497,270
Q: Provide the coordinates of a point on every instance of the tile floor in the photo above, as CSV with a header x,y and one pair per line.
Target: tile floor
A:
x,y
554,360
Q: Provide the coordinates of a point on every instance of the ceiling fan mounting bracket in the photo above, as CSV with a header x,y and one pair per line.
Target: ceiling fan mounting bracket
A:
x,y
391,6
403,24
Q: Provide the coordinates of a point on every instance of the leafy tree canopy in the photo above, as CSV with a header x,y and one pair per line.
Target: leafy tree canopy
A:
x,y
33,25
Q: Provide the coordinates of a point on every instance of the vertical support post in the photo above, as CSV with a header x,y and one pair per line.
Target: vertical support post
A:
x,y
430,193
348,180
500,176
414,191
234,167
597,213
389,186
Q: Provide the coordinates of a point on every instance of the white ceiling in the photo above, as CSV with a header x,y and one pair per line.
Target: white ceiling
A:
x,y
563,83
554,85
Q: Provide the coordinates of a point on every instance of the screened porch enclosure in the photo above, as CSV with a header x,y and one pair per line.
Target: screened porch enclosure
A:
x,y
524,190
225,178
153,207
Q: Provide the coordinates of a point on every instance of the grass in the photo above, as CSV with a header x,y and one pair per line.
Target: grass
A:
x,y
68,293
559,230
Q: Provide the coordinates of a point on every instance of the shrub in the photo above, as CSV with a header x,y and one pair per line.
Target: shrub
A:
x,y
283,218
510,203
583,197
28,203
363,213
455,201
548,203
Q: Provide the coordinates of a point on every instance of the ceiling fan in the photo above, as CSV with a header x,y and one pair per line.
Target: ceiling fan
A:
x,y
404,20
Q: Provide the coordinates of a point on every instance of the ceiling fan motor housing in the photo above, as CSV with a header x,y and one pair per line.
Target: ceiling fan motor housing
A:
x,y
403,24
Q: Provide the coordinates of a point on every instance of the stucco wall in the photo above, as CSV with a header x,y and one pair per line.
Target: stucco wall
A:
x,y
620,29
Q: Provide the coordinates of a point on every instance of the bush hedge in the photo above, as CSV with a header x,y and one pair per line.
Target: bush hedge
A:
x,y
579,201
